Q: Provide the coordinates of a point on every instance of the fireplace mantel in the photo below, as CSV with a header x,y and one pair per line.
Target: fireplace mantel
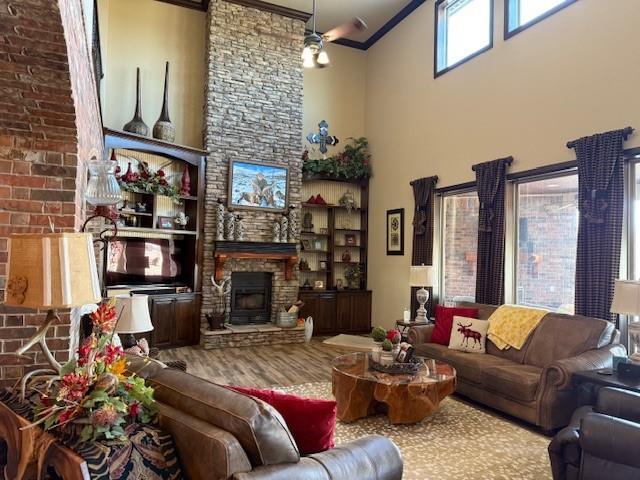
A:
x,y
224,250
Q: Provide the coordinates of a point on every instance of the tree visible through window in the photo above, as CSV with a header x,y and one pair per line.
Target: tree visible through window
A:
x,y
547,214
463,29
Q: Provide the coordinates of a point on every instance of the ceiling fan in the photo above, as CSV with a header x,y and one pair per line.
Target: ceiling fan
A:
x,y
314,55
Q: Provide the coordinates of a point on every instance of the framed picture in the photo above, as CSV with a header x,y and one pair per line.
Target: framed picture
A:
x,y
350,239
324,231
262,186
395,232
306,244
165,223
318,285
317,244
323,265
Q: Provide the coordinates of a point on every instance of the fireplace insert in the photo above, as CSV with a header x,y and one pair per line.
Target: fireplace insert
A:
x,y
250,298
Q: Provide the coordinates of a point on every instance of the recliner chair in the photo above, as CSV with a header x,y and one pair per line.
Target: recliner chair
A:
x,y
601,442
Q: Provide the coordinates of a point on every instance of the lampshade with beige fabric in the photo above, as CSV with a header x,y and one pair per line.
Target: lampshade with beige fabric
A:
x,y
134,314
421,276
50,271
626,298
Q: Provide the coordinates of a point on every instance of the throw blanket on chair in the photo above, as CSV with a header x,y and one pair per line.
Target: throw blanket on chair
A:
x,y
511,325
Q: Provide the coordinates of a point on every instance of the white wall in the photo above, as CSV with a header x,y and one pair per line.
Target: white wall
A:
x,y
573,74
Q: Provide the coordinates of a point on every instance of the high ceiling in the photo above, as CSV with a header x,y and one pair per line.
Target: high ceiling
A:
x,y
331,13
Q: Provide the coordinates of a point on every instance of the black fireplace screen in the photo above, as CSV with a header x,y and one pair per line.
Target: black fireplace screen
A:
x,y
250,298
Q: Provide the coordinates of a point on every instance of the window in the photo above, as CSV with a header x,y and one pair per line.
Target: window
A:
x,y
520,14
464,28
546,242
459,246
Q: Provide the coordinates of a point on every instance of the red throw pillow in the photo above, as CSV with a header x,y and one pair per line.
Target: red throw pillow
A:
x,y
311,421
444,322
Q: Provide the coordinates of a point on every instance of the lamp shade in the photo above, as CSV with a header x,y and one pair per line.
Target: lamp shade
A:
x,y
421,276
51,270
134,314
626,298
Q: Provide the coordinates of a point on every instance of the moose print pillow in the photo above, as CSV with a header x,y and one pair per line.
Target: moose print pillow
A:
x,y
468,334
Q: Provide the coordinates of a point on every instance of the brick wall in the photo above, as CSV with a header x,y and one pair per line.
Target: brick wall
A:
x,y
253,112
44,67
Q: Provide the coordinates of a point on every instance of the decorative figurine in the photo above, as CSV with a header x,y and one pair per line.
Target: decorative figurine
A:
x,y
284,228
307,222
276,231
346,256
304,265
229,226
220,216
185,183
181,220
137,125
238,233
164,129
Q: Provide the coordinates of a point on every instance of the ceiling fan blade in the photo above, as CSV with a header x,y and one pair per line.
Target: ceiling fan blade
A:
x,y
344,30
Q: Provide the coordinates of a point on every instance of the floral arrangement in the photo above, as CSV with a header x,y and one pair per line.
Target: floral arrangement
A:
x,y
93,390
351,164
394,336
146,180
353,273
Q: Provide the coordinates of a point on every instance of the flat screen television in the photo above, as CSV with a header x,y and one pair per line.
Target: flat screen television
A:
x,y
143,261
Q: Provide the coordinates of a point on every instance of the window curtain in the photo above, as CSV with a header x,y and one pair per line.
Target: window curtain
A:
x,y
601,207
491,179
422,253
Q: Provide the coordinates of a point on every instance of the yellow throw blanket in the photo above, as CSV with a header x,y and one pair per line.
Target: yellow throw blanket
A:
x,y
511,325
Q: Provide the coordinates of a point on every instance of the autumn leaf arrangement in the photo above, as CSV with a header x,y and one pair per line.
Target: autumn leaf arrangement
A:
x,y
94,393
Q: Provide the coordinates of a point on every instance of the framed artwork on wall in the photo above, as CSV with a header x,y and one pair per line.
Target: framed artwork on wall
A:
x,y
395,232
258,186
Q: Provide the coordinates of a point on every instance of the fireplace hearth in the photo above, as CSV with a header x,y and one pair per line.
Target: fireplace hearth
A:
x,y
250,298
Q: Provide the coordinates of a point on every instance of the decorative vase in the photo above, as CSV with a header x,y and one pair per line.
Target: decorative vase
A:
x,y
129,176
276,231
137,125
238,232
386,358
164,129
346,256
308,329
293,224
229,226
220,214
185,188
284,229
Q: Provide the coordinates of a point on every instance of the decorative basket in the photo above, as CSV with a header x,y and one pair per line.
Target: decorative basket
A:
x,y
411,367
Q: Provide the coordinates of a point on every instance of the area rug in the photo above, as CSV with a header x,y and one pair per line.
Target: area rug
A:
x,y
459,442
352,343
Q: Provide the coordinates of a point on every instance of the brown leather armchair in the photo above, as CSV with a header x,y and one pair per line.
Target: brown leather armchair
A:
x,y
601,441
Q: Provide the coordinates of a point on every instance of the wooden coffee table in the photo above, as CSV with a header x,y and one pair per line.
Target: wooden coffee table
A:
x,y
361,391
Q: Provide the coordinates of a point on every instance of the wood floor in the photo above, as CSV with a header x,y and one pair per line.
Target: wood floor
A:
x,y
265,366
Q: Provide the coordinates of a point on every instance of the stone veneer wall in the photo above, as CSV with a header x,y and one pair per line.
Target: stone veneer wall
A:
x,y
253,112
49,124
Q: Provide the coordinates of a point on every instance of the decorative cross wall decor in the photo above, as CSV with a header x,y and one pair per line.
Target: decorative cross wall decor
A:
x,y
323,138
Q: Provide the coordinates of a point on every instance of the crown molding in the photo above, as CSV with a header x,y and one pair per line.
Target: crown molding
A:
x,y
271,8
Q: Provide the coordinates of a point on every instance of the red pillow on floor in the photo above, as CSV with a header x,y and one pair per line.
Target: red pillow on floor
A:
x,y
311,421
444,322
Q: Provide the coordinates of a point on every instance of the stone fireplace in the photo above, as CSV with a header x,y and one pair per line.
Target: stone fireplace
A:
x,y
250,298
253,112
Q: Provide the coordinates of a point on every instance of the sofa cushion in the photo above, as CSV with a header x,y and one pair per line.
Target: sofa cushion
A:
x,y
519,382
561,336
259,428
469,366
444,321
468,335
431,350
311,421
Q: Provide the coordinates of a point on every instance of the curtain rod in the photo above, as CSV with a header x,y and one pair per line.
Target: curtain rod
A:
x,y
508,160
626,132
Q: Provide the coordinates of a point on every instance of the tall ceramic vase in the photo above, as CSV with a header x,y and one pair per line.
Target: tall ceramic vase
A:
x,y
137,125
164,129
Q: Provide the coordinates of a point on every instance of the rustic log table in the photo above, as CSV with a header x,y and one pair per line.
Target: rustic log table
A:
x,y
361,391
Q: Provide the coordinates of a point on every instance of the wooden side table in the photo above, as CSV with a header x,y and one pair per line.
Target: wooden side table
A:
x,y
590,381
32,451
403,327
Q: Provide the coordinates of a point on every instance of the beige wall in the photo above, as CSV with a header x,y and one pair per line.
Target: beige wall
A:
x,y
145,34
573,74
337,95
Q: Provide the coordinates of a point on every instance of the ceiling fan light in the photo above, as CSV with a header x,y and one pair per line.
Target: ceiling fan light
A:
x,y
307,53
308,62
323,57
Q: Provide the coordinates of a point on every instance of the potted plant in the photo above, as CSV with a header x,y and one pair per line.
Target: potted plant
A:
x,y
386,357
394,337
352,274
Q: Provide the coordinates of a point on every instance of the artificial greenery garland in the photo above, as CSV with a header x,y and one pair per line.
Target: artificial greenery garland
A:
x,y
351,164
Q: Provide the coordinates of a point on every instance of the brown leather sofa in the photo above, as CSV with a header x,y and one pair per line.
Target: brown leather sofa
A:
x,y
601,442
533,383
223,434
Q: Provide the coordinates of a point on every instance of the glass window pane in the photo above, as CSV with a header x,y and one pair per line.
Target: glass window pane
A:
x,y
464,27
532,9
636,224
547,238
460,246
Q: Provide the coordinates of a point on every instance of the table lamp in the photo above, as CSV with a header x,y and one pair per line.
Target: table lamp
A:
x,y
50,271
626,301
421,276
134,317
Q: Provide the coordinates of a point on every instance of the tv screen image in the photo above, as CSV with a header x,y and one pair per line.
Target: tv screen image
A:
x,y
136,261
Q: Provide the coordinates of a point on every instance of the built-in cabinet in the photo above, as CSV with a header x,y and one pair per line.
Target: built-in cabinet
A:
x,y
175,319
338,311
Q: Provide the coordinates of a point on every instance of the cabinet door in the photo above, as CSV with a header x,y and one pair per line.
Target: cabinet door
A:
x,y
162,317
361,312
322,307
185,321
344,313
